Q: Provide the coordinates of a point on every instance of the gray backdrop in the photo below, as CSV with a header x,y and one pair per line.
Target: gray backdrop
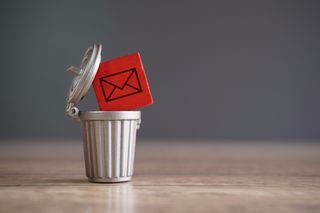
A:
x,y
217,69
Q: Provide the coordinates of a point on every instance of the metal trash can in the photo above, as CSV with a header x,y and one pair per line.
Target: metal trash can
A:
x,y
109,140
109,137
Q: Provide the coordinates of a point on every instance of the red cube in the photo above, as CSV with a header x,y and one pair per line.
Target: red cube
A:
x,y
121,84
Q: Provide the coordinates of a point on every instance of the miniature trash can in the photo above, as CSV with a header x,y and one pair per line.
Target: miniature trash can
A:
x,y
109,137
109,140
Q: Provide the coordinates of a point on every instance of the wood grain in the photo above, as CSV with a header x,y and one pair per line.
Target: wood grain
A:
x,y
170,176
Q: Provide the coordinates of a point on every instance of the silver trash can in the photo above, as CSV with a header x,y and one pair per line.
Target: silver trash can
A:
x,y
109,137
109,140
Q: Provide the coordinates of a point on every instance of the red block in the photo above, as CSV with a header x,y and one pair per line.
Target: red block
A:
x,y
121,84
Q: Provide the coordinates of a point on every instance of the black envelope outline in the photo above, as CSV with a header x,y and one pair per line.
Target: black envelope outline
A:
x,y
103,80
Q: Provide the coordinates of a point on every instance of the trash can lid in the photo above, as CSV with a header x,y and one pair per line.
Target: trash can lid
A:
x,y
84,75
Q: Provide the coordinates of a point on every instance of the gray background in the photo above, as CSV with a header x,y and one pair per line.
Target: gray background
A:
x,y
244,70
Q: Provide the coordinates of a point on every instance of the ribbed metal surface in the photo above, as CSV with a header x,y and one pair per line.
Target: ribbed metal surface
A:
x,y
109,148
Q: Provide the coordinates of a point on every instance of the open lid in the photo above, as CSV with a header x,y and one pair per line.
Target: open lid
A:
x,y
83,78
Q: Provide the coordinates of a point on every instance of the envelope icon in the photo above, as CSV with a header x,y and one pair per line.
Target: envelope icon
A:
x,y
120,85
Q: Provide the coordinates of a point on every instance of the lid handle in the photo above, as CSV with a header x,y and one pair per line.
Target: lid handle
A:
x,y
74,70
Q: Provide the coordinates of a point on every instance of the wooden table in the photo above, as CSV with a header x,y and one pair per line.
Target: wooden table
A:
x,y
170,176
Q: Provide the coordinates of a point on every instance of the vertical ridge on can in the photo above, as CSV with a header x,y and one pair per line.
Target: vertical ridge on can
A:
x,y
131,140
99,148
86,148
125,132
92,147
116,150
109,145
133,148
97,137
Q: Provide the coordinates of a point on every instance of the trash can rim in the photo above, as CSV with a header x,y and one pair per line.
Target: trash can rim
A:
x,y
110,115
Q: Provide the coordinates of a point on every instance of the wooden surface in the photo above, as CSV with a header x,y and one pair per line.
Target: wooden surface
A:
x,y
169,177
